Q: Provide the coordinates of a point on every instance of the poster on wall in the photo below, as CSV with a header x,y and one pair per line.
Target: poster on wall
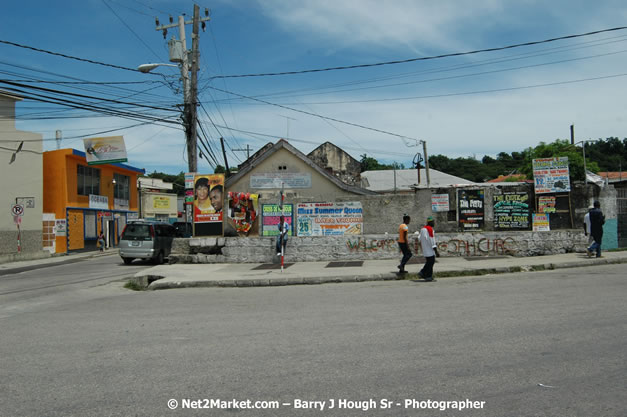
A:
x,y
208,205
439,202
242,213
471,209
541,222
546,204
329,219
511,211
551,175
270,218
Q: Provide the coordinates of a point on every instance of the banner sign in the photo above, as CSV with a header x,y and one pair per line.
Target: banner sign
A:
x,y
541,223
105,150
270,219
330,219
208,204
242,213
511,211
551,175
439,202
60,227
280,179
470,208
189,180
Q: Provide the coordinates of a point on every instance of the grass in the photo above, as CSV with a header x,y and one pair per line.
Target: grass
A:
x,y
134,286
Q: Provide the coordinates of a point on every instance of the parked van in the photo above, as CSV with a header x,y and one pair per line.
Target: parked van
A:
x,y
146,240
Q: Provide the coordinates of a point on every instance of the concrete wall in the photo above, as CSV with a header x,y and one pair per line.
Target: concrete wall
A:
x,y
20,181
377,246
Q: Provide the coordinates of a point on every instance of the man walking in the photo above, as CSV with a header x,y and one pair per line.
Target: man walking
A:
x,y
429,249
586,227
403,243
597,220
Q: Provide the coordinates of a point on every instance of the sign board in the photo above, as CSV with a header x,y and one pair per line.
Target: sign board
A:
x,y
546,204
330,219
98,201
17,210
541,222
471,209
551,175
511,211
27,202
208,205
120,204
439,202
189,180
280,179
105,150
270,214
242,213
60,227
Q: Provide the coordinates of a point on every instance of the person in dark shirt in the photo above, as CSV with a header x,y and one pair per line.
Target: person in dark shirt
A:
x,y
597,220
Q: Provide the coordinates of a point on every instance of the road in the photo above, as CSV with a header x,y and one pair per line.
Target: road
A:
x,y
530,344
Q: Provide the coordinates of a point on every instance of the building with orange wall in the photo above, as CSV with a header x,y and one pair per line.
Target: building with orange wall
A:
x,y
87,199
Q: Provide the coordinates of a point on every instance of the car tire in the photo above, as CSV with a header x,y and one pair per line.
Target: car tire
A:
x,y
127,261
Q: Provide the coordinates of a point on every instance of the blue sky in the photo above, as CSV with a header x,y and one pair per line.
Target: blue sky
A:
x,y
471,105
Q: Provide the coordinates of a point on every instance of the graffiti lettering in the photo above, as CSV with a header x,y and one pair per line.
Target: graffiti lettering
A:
x,y
482,247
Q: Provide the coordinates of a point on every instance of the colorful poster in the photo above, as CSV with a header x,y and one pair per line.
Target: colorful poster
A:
x,y
243,208
105,150
541,222
330,219
471,209
208,204
439,202
551,175
546,204
270,218
511,211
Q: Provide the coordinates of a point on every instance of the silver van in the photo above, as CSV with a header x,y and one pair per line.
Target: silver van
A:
x,y
146,240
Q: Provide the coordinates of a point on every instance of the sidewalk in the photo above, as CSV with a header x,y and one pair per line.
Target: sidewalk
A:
x,y
257,275
29,265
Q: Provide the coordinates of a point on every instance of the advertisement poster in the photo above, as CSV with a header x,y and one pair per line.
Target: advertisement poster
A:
x,y
270,218
551,175
511,211
546,204
439,202
208,204
541,223
471,209
242,213
105,150
329,219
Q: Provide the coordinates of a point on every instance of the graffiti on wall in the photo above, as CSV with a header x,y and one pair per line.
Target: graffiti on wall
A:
x,y
455,247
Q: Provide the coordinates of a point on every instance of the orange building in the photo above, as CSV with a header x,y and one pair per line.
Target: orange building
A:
x,y
87,199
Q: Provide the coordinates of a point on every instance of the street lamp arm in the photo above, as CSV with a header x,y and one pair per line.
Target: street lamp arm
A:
x,y
145,68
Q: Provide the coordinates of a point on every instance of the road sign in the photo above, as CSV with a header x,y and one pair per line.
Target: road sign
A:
x,y
17,209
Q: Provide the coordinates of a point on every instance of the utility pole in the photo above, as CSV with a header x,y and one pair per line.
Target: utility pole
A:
x,y
424,148
226,163
190,88
247,150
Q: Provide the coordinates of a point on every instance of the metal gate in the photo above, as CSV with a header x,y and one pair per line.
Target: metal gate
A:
x,y
621,205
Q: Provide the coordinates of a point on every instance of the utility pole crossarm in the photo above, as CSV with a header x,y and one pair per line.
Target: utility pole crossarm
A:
x,y
175,25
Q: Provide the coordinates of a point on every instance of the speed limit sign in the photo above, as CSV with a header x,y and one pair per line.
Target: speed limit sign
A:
x,y
17,209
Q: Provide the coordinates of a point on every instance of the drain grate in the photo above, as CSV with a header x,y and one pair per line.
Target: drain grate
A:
x,y
344,264
272,266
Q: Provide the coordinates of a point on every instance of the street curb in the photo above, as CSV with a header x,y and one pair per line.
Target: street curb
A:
x,y
154,283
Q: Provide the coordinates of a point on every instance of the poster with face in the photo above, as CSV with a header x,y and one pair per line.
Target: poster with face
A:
x,y
242,212
208,204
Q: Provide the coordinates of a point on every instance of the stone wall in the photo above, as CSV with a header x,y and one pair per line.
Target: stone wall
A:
x,y
379,246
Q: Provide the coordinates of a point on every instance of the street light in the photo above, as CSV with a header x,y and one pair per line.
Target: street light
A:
x,y
145,68
583,147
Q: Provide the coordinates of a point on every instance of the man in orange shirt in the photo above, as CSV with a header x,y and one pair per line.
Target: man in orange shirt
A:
x,y
403,243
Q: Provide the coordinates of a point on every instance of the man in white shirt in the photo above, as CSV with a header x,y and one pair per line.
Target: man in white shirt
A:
x,y
429,249
586,227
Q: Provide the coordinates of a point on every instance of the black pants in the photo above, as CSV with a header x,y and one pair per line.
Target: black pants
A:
x,y
427,270
406,254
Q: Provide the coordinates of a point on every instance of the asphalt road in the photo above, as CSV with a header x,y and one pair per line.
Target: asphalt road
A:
x,y
531,344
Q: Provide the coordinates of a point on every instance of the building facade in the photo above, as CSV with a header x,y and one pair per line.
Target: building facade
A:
x,y
20,181
87,199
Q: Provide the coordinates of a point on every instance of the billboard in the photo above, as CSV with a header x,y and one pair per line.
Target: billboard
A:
x,y
270,218
471,209
551,175
208,204
329,219
242,213
105,150
511,211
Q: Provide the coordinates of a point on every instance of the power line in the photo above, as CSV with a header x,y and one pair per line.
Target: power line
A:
x,y
426,58
71,57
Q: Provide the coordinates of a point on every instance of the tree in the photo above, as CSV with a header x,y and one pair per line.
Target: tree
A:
x,y
370,164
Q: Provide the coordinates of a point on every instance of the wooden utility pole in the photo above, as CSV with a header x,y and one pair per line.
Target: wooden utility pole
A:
x,y
226,163
192,144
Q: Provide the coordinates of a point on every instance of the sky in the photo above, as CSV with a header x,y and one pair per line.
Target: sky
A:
x,y
468,105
